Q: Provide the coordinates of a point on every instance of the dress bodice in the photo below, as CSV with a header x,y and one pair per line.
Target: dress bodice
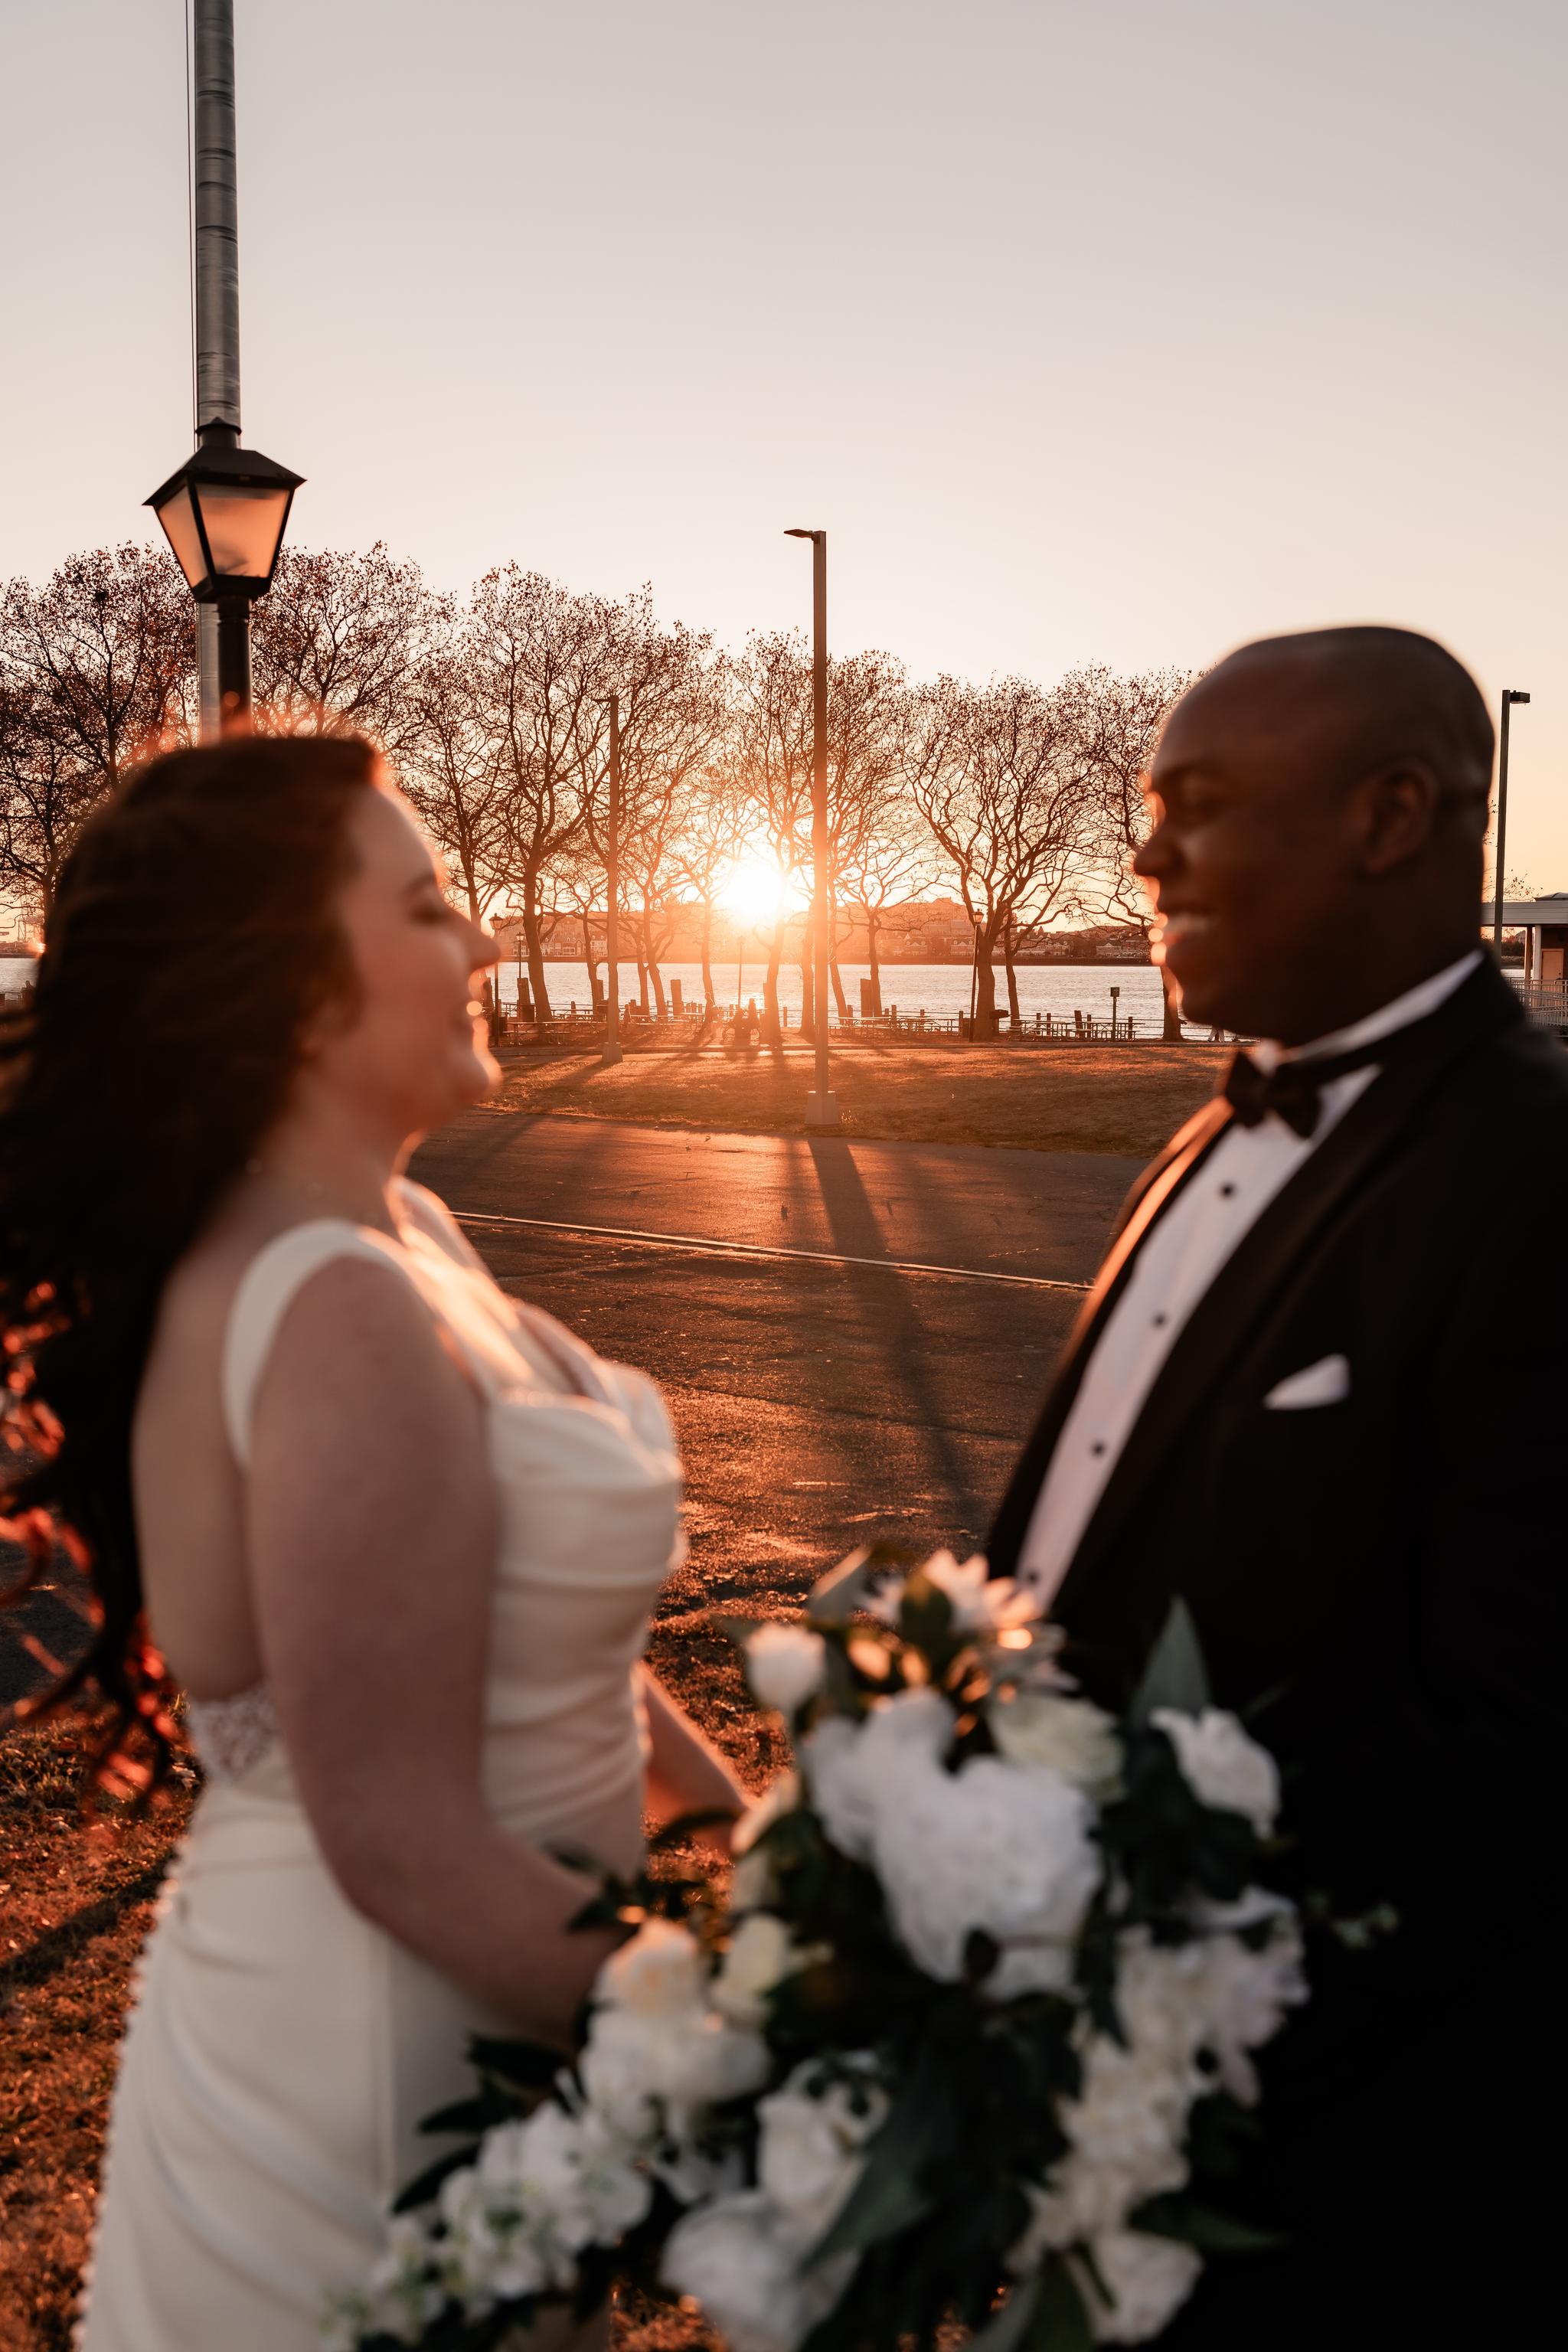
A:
x,y
588,1488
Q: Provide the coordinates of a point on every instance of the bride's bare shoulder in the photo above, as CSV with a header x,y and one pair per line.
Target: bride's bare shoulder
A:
x,y
198,1293
434,1218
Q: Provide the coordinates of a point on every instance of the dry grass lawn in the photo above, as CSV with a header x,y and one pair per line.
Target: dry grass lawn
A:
x,y
1123,1098
75,1903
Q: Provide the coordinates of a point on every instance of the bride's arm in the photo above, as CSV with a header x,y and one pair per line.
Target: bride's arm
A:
x,y
686,1774
371,1533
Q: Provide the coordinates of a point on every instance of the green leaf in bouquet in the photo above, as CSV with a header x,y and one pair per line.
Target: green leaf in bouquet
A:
x,y
475,2114
1223,2141
1191,2224
1059,2321
925,1620
894,2189
1175,1675
425,2185
526,2065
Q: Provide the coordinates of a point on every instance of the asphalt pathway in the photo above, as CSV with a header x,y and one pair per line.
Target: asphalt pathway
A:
x,y
825,1391
821,1399
1039,1215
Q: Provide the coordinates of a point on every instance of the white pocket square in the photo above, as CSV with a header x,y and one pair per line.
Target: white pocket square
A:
x,y
1327,1383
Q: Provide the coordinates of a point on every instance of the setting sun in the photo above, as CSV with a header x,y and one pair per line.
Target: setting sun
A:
x,y
756,892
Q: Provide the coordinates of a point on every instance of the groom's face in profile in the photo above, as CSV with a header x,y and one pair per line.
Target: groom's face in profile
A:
x,y
1246,864
1271,864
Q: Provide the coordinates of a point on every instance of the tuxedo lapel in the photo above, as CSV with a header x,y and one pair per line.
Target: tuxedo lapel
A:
x,y
1264,1258
1154,1193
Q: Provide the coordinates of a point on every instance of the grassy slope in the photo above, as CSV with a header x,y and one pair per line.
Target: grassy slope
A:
x,y
1070,1098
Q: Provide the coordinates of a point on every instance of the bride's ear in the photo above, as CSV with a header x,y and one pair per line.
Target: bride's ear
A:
x,y
331,1022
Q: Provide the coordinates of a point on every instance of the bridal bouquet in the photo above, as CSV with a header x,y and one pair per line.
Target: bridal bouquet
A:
x,y
970,2043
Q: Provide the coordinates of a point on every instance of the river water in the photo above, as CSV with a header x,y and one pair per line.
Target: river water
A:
x,y
940,991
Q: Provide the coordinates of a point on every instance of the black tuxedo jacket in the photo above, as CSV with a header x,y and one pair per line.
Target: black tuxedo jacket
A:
x,y
1377,1582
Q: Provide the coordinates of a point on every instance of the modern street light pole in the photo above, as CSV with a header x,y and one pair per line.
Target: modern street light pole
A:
x,y
224,511
821,1110
1508,699
610,1052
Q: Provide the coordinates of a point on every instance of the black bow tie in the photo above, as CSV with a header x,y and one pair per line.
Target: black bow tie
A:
x,y
1292,1091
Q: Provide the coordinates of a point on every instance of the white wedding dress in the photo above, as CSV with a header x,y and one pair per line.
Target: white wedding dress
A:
x,y
282,2049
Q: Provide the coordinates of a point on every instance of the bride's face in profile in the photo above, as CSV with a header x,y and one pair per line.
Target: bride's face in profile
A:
x,y
410,1050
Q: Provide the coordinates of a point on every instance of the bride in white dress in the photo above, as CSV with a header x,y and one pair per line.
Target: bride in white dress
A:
x,y
397,1537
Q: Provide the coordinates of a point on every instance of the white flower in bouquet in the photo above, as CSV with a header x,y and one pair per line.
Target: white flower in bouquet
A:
x,y
1071,1735
497,2245
760,1955
1222,1766
741,2258
1126,2128
1148,2278
662,1972
854,1770
402,2293
617,2070
656,2048
784,1666
980,1603
1248,1992
576,2171
540,2191
812,2141
1163,2000
647,2071
998,1847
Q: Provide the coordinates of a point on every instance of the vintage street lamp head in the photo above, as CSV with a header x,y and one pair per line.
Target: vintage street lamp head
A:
x,y
223,514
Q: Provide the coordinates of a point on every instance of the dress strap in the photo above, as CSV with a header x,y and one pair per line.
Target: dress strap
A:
x,y
266,1289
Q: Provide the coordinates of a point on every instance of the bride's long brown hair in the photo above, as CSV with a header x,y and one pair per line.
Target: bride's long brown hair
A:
x,y
190,941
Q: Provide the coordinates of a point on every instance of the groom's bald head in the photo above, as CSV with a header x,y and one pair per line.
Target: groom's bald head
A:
x,y
1347,700
1321,807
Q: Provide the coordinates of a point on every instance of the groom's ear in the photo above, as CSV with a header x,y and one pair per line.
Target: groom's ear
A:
x,y
1391,814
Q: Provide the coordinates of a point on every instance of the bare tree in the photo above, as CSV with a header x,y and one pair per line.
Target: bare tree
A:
x,y
710,835
452,767
893,859
541,674
335,645
671,687
998,777
97,669
1117,723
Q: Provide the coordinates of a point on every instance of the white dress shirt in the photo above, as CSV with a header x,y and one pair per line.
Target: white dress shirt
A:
x,y
1174,1266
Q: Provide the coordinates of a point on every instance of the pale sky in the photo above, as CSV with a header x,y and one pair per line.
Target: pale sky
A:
x,y
1116,331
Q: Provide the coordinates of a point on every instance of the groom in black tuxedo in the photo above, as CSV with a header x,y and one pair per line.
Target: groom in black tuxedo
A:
x,y
1319,1390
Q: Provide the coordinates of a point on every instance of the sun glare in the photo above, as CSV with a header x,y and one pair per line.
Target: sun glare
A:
x,y
755,892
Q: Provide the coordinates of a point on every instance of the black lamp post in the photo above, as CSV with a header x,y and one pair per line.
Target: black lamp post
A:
x,y
821,1110
223,513
1509,698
